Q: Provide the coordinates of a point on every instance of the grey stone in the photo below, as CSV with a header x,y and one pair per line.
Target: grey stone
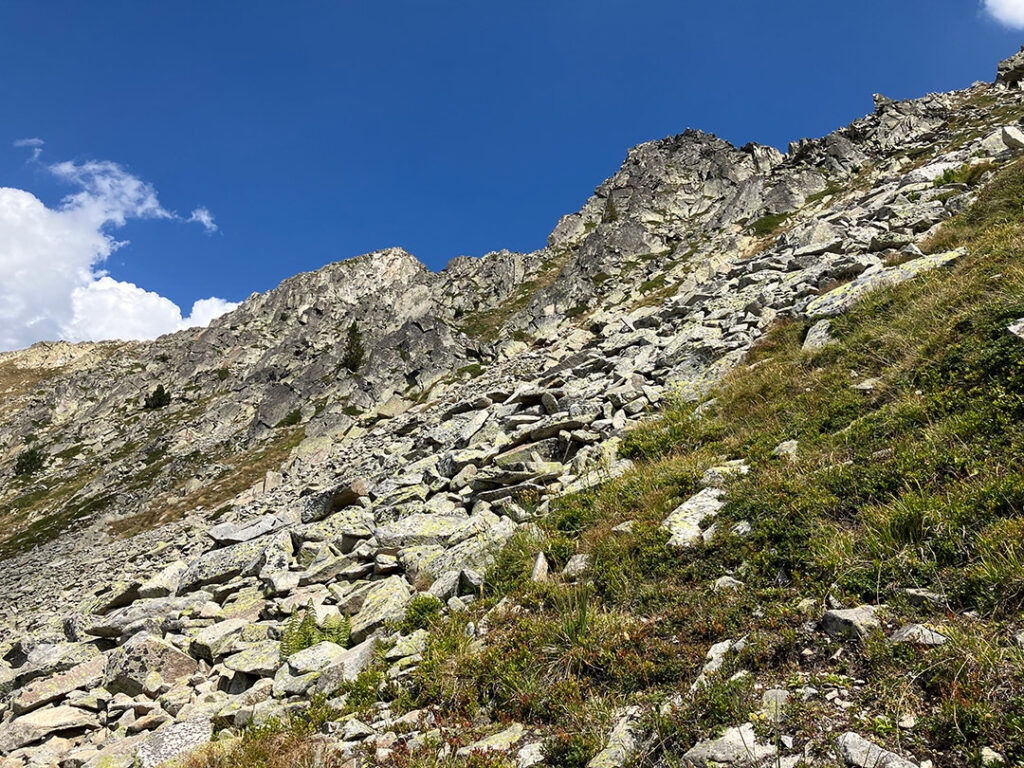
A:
x,y
236,533
261,659
314,658
385,601
502,741
576,566
43,691
853,623
217,639
1011,70
345,667
845,296
221,565
858,752
621,743
918,634
164,583
723,583
737,746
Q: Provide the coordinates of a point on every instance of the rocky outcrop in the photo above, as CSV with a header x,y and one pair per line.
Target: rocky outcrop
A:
x,y
157,558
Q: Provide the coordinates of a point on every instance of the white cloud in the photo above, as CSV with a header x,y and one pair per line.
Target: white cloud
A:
x,y
53,286
204,217
1008,12
111,309
36,145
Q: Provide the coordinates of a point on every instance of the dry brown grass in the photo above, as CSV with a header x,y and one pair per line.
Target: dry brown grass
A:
x,y
285,750
244,471
16,382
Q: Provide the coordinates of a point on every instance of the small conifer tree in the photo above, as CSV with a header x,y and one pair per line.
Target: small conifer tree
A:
x,y
158,398
354,352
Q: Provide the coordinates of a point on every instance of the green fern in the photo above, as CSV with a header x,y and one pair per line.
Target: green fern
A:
x,y
302,632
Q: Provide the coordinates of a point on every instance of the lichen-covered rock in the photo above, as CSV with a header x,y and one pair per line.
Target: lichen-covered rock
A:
x,y
840,299
36,726
737,746
314,658
417,529
385,601
146,664
345,667
220,565
684,522
262,659
164,583
157,609
621,744
51,658
217,639
918,634
502,741
819,336
236,533
43,691
175,741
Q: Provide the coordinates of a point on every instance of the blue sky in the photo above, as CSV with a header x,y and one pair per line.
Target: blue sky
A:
x,y
315,131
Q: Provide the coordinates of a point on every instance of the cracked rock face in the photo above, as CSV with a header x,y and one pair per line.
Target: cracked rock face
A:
x,y
158,554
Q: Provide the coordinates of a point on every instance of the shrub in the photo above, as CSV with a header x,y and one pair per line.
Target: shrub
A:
x,y
570,749
29,462
158,398
421,612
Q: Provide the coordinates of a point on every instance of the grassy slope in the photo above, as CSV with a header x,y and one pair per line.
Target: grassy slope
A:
x,y
918,483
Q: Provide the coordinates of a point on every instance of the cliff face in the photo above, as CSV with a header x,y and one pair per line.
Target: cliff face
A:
x,y
180,537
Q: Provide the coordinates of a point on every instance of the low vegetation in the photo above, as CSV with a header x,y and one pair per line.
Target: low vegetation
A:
x,y
968,174
769,224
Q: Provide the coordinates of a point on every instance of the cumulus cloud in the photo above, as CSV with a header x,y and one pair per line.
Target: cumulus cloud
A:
x,y
112,309
1008,12
53,284
204,217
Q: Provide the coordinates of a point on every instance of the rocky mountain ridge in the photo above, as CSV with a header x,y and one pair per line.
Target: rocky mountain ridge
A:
x,y
153,558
